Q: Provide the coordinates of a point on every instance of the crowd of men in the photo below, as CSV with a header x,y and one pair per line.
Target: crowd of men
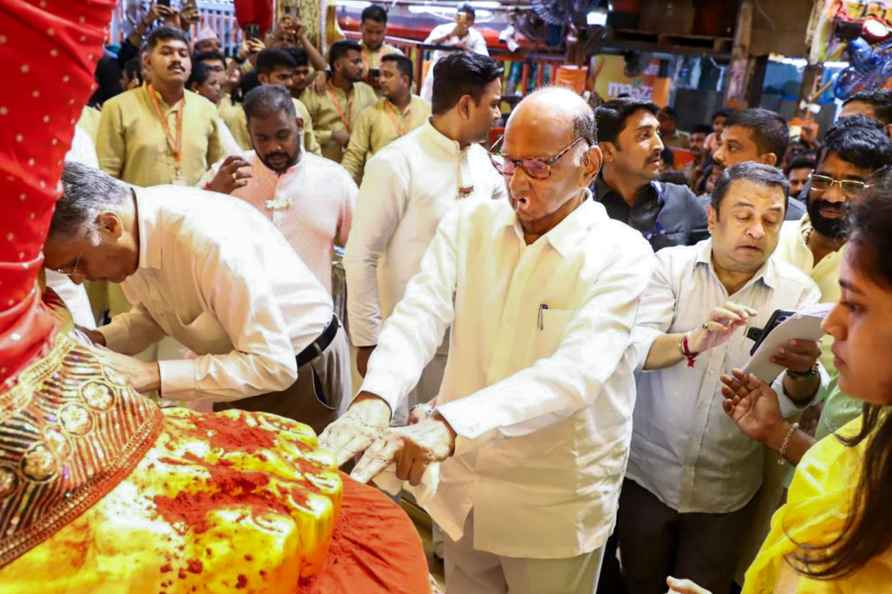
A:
x,y
549,321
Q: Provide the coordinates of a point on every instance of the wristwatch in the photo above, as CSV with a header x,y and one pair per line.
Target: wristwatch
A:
x,y
800,375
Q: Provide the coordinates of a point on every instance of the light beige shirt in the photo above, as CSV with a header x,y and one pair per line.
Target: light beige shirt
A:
x,y
378,126
330,109
537,386
234,117
89,122
133,147
407,189
217,276
372,58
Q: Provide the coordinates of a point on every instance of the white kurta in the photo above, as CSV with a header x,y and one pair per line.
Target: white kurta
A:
x,y
407,189
221,279
538,385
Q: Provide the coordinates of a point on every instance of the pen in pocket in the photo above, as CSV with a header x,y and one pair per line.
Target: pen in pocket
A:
x,y
542,308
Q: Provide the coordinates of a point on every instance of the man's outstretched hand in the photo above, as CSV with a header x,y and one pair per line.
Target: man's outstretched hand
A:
x,y
412,449
365,421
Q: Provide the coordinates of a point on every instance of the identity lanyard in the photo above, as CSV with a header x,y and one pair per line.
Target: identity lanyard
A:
x,y
175,139
396,117
345,116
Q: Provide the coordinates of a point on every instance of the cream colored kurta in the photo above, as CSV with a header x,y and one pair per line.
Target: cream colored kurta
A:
x,y
378,126
326,110
133,147
89,122
372,58
234,117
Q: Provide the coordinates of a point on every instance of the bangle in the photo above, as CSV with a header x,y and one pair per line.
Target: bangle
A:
x,y
686,351
786,443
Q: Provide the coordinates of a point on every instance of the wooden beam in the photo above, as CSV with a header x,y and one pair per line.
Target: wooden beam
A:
x,y
741,69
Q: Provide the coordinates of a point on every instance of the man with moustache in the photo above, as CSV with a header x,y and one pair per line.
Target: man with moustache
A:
x,y
692,477
758,135
665,213
344,96
373,27
407,188
392,117
310,199
161,133
533,418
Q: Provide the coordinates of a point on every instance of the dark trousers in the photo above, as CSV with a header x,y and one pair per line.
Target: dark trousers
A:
x,y
656,541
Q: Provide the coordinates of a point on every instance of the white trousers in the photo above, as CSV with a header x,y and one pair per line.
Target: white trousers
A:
x,y
469,571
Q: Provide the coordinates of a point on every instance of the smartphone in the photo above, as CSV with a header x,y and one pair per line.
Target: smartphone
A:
x,y
252,31
759,334
374,72
163,3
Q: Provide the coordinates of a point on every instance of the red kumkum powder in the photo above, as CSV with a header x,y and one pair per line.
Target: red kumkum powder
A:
x,y
232,434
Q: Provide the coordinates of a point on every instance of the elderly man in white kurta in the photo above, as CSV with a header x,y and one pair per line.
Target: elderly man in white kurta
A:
x,y
207,270
533,421
407,189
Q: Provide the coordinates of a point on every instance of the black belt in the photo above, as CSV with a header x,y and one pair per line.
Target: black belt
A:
x,y
319,345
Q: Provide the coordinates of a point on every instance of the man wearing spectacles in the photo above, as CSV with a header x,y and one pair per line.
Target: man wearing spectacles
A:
x,y
533,418
665,213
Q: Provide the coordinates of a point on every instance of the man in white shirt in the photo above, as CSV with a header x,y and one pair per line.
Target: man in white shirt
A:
x,y
407,188
461,35
206,270
308,198
533,420
692,475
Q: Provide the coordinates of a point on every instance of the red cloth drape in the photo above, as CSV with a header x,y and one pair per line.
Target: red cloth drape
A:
x,y
375,548
254,12
48,51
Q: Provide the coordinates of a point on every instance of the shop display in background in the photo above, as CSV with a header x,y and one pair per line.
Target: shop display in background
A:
x,y
833,18
612,78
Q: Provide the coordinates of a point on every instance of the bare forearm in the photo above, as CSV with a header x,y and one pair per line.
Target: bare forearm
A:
x,y
316,58
664,352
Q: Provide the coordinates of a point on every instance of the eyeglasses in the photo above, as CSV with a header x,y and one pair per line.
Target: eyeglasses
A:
x,y
535,168
849,187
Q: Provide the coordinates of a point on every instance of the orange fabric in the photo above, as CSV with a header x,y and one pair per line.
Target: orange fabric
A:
x,y
375,548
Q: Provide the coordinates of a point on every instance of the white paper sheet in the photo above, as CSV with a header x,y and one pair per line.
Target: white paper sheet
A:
x,y
803,325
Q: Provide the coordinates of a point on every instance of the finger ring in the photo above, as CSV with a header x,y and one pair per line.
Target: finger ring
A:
x,y
234,176
706,325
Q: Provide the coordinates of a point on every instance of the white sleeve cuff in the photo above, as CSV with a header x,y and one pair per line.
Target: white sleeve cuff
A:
x,y
177,378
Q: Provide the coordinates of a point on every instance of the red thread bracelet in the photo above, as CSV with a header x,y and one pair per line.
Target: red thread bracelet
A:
x,y
686,351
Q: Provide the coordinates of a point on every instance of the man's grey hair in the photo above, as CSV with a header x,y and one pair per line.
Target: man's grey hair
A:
x,y
585,126
265,100
86,192
757,173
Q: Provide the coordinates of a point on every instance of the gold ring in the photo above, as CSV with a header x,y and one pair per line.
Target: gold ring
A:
x,y
706,325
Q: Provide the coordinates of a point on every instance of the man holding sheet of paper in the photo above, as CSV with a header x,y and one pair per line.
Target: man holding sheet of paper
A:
x,y
692,475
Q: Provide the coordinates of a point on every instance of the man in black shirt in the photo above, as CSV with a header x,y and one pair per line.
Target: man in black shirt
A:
x,y
666,214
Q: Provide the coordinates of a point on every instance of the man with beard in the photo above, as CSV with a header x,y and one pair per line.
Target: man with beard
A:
x,y
665,213
407,188
161,133
373,26
334,109
397,114
758,135
310,199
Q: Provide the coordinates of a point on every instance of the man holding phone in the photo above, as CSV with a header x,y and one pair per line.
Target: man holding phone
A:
x,y
692,477
460,35
373,26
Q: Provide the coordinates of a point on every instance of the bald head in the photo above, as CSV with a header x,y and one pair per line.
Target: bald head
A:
x,y
558,112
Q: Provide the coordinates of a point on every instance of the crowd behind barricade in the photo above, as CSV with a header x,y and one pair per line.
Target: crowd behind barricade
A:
x,y
554,325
